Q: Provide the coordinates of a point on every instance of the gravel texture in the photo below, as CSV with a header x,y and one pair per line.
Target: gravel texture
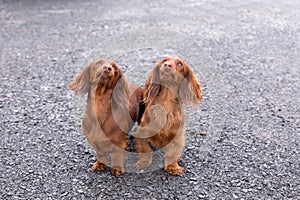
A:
x,y
253,147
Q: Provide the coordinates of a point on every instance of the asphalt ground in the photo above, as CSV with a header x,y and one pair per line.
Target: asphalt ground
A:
x,y
246,55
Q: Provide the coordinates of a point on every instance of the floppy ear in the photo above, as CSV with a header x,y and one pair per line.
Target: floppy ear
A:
x,y
120,104
190,92
152,85
121,91
81,84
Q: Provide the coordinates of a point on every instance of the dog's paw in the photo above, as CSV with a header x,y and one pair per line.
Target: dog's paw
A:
x,y
117,172
174,170
98,166
142,164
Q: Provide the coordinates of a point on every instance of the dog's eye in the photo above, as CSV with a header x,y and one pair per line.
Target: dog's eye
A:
x,y
179,64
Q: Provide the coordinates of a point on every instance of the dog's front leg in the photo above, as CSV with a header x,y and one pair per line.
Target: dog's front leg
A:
x,y
172,155
117,161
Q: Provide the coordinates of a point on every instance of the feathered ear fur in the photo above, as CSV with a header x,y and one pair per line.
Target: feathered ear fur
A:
x,y
82,83
120,104
152,85
190,92
121,91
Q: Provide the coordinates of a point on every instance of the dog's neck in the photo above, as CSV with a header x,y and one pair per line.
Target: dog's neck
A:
x,y
102,89
101,94
169,92
168,99
101,98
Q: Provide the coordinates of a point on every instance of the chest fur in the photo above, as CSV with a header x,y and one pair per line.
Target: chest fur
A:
x,y
165,111
98,108
102,107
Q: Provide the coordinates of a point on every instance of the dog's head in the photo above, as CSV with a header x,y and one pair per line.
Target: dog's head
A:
x,y
100,75
174,73
104,76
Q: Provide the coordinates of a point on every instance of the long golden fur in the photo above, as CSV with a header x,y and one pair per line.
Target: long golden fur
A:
x,y
112,108
170,84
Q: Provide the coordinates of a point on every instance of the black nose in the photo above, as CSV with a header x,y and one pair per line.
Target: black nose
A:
x,y
107,68
167,65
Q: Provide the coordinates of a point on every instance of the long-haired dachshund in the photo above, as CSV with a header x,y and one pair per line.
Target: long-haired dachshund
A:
x,y
111,110
170,84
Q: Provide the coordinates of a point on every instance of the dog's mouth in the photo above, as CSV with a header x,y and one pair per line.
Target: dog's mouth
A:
x,y
168,73
104,75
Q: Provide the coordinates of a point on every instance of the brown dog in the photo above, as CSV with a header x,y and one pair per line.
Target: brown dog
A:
x,y
170,84
111,110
